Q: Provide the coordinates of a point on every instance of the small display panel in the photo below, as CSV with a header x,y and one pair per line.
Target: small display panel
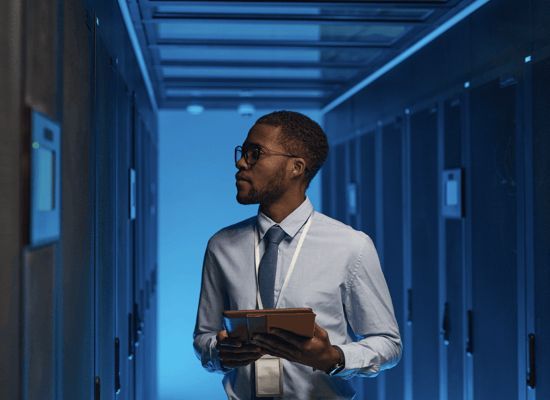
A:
x,y
451,192
45,185
451,199
45,159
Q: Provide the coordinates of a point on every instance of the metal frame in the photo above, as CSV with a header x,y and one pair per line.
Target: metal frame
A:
x,y
301,19
261,44
305,3
247,83
261,64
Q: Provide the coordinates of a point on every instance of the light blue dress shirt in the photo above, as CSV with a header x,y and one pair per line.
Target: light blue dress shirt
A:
x,y
337,274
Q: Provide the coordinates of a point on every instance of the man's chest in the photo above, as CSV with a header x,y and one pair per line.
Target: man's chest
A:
x,y
317,278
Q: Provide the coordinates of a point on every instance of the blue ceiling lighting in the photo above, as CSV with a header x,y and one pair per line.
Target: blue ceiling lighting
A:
x,y
195,109
282,54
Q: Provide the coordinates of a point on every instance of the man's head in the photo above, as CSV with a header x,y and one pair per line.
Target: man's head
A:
x,y
285,150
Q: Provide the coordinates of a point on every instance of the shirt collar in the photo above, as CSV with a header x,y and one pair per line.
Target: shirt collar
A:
x,y
291,224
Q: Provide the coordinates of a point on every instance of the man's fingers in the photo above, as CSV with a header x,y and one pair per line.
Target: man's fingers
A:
x,y
239,356
230,343
319,332
277,347
296,340
249,349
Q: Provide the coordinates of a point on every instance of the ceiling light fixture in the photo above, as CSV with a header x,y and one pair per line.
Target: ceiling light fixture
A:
x,y
246,109
195,109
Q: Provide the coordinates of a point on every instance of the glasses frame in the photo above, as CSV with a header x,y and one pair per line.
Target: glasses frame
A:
x,y
261,150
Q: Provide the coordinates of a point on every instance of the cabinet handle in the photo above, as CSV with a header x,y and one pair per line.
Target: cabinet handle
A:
x,y
97,388
130,336
470,341
532,374
446,324
117,365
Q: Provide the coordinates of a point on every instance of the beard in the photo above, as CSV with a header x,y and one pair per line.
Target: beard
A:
x,y
271,192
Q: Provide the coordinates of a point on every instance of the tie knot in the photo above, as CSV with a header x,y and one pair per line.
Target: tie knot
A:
x,y
275,234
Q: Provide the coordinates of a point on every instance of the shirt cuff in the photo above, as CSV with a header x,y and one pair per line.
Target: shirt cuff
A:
x,y
358,361
215,361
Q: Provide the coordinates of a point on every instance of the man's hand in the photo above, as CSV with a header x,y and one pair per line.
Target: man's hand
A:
x,y
234,353
317,352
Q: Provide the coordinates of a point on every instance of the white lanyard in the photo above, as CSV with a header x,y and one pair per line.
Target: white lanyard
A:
x,y
290,268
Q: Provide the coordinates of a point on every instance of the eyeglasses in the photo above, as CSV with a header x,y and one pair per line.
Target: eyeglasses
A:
x,y
252,153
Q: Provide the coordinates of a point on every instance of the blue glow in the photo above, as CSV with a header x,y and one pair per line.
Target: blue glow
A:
x,y
197,198
528,59
466,85
406,54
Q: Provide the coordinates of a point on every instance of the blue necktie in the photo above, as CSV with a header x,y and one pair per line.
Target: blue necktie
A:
x,y
268,265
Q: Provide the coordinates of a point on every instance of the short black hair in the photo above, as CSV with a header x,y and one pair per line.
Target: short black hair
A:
x,y
301,136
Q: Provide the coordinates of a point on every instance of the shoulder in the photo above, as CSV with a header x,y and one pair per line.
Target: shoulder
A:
x,y
232,235
338,229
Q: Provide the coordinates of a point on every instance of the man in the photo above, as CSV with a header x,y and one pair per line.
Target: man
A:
x,y
310,260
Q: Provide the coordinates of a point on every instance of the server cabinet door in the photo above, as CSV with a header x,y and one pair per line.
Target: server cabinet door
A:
x,y
493,241
124,244
367,210
451,320
392,255
541,195
424,247
105,219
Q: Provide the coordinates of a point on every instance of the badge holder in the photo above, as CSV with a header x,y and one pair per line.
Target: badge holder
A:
x,y
269,376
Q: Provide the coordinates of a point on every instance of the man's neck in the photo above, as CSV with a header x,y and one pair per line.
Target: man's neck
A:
x,y
282,208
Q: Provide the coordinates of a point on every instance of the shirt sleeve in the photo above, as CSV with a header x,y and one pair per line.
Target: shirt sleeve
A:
x,y
209,315
370,316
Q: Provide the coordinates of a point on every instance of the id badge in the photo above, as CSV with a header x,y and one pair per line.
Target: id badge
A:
x,y
269,376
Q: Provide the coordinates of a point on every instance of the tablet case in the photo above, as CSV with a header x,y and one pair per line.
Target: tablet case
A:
x,y
243,324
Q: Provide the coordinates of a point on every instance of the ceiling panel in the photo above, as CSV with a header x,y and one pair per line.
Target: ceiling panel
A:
x,y
222,53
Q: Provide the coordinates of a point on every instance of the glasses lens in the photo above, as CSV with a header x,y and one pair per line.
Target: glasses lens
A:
x,y
238,153
252,154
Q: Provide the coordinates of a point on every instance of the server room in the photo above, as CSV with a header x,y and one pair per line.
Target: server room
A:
x,y
394,154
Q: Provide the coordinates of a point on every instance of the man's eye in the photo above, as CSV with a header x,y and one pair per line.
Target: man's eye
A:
x,y
255,153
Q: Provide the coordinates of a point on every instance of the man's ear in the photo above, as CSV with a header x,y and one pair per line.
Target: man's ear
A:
x,y
298,167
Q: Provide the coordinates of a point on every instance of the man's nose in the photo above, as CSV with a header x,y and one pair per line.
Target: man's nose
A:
x,y
241,163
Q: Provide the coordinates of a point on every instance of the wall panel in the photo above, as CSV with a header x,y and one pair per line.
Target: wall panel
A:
x,y
13,227
41,69
39,323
